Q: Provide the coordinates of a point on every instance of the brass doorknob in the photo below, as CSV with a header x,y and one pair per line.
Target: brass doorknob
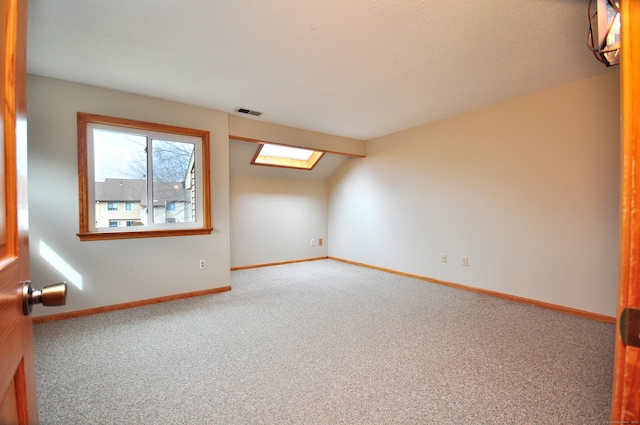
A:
x,y
51,295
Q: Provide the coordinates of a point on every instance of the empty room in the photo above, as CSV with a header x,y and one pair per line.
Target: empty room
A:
x,y
320,212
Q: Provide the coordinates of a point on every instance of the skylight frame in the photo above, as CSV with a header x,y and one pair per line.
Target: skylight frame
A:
x,y
284,161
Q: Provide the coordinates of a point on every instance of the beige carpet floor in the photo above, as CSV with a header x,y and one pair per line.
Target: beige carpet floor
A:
x,y
325,342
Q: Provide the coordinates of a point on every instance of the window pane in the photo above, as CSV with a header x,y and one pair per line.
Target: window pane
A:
x,y
173,166
120,171
286,152
119,155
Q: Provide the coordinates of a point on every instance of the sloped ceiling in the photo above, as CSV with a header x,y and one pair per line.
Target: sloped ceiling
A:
x,y
354,68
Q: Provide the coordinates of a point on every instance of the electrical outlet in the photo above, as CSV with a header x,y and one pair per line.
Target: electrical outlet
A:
x,y
465,261
313,242
203,264
443,258
320,242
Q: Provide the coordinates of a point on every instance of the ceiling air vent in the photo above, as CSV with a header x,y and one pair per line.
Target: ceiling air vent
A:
x,y
248,112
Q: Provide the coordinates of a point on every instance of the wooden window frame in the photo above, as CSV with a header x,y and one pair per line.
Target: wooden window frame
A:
x,y
85,233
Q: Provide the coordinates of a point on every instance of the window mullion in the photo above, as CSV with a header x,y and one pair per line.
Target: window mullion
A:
x,y
150,201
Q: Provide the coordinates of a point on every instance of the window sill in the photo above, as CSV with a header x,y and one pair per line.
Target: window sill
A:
x,y
102,236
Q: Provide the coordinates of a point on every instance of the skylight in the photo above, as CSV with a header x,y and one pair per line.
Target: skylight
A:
x,y
286,156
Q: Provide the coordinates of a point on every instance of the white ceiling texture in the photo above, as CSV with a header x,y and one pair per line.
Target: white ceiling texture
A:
x,y
354,68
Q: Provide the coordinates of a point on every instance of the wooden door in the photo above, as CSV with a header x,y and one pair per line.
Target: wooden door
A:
x,y
17,376
625,406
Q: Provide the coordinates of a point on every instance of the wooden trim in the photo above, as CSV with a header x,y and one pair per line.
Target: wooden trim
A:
x,y
250,140
83,118
625,400
132,304
103,236
277,263
140,125
522,300
83,174
206,182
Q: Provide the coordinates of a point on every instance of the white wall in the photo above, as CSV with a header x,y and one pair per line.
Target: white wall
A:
x,y
275,212
528,190
115,271
274,219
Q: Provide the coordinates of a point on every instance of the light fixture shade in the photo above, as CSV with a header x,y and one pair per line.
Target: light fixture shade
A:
x,y
604,31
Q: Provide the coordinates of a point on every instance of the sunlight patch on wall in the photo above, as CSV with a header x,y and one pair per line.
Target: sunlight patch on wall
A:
x,y
71,275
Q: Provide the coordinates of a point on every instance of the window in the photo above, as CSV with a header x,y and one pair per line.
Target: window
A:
x,y
286,156
152,169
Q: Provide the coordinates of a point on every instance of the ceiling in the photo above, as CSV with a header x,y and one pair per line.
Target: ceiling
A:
x,y
354,68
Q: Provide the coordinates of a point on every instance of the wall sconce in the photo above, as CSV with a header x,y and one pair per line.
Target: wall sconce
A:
x,y
604,31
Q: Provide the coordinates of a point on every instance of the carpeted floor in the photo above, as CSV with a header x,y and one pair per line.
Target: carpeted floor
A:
x,y
325,342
